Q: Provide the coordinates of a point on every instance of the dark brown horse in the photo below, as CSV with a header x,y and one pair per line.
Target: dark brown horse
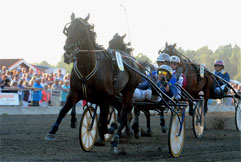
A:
x,y
117,43
92,76
195,83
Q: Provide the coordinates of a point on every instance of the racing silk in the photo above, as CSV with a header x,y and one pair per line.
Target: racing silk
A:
x,y
223,74
173,90
144,85
173,79
182,81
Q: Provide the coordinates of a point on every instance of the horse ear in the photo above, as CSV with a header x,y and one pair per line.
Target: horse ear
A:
x,y
123,36
72,17
87,18
166,44
174,45
116,34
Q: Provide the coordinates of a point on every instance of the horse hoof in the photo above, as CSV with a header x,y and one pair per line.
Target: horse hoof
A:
x,y
73,125
115,141
145,133
99,142
137,135
114,150
50,137
164,129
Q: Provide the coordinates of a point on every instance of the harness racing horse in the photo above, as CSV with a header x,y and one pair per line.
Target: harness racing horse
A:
x,y
195,83
92,77
117,43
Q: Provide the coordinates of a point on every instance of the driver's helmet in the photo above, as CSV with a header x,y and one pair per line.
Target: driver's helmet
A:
x,y
219,62
175,59
165,68
163,57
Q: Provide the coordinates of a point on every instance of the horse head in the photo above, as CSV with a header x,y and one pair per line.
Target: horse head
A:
x,y
170,49
118,43
79,35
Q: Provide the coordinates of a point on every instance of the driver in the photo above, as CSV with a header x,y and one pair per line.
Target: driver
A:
x,y
164,76
219,71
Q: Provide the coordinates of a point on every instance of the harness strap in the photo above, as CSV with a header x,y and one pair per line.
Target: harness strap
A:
x,y
86,78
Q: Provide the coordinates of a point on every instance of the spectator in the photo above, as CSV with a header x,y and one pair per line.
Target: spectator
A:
x,y
30,73
10,87
2,82
56,85
45,96
64,92
8,74
59,75
37,92
26,94
23,71
4,69
61,82
21,87
49,79
43,82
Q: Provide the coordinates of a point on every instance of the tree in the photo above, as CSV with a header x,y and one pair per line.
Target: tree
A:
x,y
44,63
143,59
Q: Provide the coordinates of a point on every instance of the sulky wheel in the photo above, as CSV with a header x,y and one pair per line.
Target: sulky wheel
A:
x,y
198,120
88,135
238,116
111,118
175,141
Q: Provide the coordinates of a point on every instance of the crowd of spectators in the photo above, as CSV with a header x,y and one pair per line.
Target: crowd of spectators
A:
x,y
37,88
34,88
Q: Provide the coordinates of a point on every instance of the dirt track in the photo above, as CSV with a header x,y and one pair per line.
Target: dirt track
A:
x,y
22,139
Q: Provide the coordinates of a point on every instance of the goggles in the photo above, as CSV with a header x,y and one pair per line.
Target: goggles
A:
x,y
174,63
162,62
163,72
217,65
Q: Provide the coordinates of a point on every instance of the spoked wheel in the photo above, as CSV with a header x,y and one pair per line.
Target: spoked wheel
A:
x,y
238,116
198,120
111,118
176,141
88,135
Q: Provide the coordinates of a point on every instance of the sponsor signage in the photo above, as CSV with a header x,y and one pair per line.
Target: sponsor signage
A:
x,y
9,99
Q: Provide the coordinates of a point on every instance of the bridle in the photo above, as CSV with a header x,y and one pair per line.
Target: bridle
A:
x,y
75,50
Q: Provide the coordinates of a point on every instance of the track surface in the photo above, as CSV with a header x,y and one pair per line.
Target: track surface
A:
x,y
22,139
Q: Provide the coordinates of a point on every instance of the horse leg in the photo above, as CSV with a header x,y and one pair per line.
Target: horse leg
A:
x,y
73,119
104,110
206,96
126,108
128,130
69,103
135,125
191,112
162,123
148,122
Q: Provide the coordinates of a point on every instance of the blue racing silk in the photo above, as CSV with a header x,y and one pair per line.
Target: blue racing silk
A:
x,y
223,74
173,89
173,79
145,84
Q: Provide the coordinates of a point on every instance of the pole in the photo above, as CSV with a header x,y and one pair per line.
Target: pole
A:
x,y
127,23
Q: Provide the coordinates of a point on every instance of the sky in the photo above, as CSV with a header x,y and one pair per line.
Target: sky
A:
x,y
32,29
